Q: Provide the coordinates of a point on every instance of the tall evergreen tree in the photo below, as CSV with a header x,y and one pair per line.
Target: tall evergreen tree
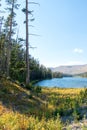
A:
x,y
27,47
27,13
11,23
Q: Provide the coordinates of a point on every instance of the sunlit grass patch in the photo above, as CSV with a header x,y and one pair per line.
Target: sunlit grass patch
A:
x,y
65,91
16,121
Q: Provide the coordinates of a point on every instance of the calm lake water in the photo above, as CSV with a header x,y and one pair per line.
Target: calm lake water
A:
x,y
66,82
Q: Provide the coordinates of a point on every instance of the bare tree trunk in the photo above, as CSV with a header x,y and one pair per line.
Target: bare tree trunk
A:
x,y
9,44
0,46
1,20
27,47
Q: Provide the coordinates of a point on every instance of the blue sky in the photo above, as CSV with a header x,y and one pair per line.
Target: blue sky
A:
x,y
62,26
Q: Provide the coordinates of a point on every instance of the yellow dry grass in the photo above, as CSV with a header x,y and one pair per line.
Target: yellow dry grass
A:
x,y
65,91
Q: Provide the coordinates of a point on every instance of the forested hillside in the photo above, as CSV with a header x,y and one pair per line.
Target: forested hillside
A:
x,y
13,53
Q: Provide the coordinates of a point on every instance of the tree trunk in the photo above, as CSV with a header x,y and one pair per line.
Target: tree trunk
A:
x,y
9,42
27,47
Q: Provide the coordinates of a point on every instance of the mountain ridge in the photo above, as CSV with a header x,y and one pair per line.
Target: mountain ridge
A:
x,y
71,69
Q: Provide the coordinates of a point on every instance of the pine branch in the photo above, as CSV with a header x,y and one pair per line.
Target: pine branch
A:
x,y
34,34
34,3
31,26
32,47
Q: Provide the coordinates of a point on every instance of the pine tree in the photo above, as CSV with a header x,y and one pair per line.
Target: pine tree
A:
x,y
27,47
10,23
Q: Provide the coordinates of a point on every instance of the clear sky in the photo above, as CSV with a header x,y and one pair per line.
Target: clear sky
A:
x,y
62,26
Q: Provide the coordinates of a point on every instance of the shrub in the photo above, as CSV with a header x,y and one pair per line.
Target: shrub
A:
x,y
29,86
37,89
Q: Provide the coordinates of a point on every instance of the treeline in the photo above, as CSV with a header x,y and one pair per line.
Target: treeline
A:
x,y
18,63
18,66
84,75
57,75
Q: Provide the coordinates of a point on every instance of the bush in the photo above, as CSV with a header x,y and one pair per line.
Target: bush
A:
x,y
37,89
29,86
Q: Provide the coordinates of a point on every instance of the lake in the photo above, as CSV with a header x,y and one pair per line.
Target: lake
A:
x,y
65,82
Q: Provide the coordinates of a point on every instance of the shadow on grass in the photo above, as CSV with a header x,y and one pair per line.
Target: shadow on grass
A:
x,y
18,99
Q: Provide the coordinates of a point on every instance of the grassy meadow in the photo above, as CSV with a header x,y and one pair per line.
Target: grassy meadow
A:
x,y
40,109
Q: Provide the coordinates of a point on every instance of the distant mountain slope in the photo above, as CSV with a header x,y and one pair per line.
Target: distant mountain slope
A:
x,y
73,69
